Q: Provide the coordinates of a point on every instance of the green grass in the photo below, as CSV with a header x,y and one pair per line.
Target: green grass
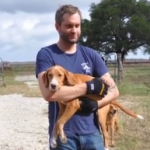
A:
x,y
136,81
18,87
134,94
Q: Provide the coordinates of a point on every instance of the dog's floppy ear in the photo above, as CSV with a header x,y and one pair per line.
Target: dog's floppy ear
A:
x,y
70,79
45,79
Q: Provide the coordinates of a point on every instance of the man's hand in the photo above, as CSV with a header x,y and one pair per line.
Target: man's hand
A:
x,y
87,105
97,86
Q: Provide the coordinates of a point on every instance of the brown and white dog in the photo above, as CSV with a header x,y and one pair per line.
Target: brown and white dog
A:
x,y
57,76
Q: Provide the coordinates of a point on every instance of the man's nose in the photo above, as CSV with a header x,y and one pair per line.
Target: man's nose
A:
x,y
73,29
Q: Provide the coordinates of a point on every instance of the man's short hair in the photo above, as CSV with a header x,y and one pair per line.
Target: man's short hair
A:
x,y
64,9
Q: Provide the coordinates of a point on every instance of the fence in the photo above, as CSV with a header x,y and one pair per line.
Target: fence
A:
x,y
133,71
2,79
130,67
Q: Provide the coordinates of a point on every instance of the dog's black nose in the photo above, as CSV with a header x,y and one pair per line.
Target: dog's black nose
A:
x,y
53,86
115,111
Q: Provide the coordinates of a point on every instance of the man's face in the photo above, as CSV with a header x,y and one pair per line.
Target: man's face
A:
x,y
70,28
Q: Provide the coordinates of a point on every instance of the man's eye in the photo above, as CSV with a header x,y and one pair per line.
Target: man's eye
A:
x,y
69,26
77,26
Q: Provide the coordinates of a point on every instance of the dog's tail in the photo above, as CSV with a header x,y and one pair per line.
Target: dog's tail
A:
x,y
126,110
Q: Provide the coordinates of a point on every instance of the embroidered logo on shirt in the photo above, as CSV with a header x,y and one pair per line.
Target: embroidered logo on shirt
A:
x,y
86,68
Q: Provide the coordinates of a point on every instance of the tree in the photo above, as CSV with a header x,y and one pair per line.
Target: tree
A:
x,y
118,26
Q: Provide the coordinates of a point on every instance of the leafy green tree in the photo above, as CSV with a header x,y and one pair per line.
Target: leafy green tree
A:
x,y
118,26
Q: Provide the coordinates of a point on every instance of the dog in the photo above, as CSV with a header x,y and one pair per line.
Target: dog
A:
x,y
112,123
55,77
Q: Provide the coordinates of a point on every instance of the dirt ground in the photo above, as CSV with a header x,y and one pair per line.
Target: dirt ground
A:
x,y
23,122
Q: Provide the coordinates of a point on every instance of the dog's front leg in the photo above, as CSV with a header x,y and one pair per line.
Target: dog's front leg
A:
x,y
56,132
102,114
117,126
112,132
70,109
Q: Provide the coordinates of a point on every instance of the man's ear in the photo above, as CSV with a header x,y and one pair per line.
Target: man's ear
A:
x,y
57,26
70,79
45,79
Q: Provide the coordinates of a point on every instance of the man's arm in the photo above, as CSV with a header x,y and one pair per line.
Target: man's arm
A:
x,y
113,91
72,91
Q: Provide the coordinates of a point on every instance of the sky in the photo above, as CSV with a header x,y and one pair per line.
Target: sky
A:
x,y
26,26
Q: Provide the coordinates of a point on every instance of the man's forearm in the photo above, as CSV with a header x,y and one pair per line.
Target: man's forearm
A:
x,y
113,91
67,93
112,94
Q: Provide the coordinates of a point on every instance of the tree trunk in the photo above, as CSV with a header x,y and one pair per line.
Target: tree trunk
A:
x,y
120,67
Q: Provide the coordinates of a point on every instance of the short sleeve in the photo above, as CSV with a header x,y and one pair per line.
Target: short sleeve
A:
x,y
100,67
43,61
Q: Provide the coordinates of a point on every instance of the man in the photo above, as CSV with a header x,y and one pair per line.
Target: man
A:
x,y
82,129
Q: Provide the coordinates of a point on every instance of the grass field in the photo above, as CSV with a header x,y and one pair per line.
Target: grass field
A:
x,y
134,94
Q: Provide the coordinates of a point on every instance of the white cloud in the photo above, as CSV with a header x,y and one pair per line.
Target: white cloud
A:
x,y
23,34
38,6
26,26
29,24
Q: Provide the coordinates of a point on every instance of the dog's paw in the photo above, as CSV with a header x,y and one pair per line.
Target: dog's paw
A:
x,y
63,138
54,143
106,148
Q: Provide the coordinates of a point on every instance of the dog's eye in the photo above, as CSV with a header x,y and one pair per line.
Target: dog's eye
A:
x,y
59,75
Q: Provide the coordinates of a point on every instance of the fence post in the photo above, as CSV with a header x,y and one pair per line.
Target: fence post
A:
x,y
2,78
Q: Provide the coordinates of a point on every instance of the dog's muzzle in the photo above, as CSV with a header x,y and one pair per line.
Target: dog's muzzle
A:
x,y
113,112
53,86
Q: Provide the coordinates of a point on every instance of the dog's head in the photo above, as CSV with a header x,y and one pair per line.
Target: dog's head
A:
x,y
57,76
113,109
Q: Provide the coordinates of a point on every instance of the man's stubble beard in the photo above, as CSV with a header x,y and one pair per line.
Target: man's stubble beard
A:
x,y
66,39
